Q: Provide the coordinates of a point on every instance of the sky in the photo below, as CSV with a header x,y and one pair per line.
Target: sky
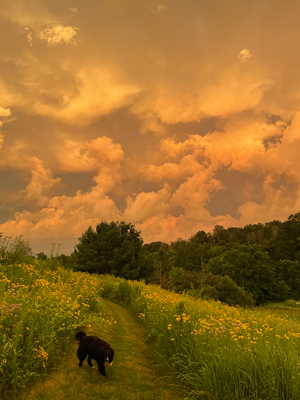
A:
x,y
173,115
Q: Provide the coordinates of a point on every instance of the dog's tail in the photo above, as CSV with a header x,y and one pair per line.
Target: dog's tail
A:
x,y
80,335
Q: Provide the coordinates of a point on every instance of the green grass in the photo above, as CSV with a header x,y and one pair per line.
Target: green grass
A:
x,y
134,374
288,304
211,350
215,351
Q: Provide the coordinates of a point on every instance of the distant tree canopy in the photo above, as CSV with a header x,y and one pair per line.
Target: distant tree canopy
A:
x,y
255,263
112,248
259,262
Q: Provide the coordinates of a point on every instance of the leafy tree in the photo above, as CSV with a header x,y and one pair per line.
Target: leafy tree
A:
x,y
112,248
192,256
183,280
289,272
177,274
224,289
65,261
281,292
249,267
220,235
155,246
163,263
147,263
88,256
41,256
200,237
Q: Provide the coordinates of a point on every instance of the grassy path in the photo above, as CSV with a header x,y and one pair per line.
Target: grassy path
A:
x,y
133,376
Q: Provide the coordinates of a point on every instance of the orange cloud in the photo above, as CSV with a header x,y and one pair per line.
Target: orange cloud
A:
x,y
59,34
231,91
187,166
5,112
64,216
99,92
276,205
147,204
41,182
90,156
245,55
218,100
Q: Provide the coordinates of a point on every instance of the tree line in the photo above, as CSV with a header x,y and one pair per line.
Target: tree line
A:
x,y
245,266
250,265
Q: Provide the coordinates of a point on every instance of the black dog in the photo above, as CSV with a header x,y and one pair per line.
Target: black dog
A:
x,y
96,349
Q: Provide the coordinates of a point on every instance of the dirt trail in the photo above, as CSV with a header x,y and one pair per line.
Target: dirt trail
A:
x,y
133,376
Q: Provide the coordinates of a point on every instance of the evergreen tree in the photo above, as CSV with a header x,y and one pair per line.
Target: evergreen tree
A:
x,y
112,248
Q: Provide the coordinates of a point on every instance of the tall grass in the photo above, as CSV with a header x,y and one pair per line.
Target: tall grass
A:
x,y
40,310
216,351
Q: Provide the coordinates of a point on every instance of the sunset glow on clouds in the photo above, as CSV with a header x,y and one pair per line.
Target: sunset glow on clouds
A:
x,y
175,116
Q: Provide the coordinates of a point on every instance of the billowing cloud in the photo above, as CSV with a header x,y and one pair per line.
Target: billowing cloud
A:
x,y
278,204
187,166
146,204
245,55
5,112
100,92
59,34
174,117
231,91
40,183
90,156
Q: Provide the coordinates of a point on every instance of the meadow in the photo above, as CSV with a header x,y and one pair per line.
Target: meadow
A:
x,y
215,351
41,307
211,350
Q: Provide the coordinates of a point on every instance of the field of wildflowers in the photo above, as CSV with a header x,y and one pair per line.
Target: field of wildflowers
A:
x,y
216,351
40,310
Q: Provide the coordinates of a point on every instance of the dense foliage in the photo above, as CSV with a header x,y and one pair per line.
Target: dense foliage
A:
x,y
112,248
262,261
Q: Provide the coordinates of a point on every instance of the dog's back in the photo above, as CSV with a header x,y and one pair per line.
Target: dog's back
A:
x,y
94,344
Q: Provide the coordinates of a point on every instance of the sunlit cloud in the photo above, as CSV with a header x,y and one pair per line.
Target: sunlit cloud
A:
x,y
245,55
147,113
40,183
59,34
100,92
5,112
30,38
74,156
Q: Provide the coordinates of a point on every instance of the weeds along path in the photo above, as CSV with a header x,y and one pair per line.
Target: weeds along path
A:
x,y
133,376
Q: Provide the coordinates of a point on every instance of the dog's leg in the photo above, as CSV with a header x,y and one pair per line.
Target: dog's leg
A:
x,y
80,363
90,361
101,369
81,353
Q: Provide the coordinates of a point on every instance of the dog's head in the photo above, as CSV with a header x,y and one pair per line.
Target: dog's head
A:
x,y
109,356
